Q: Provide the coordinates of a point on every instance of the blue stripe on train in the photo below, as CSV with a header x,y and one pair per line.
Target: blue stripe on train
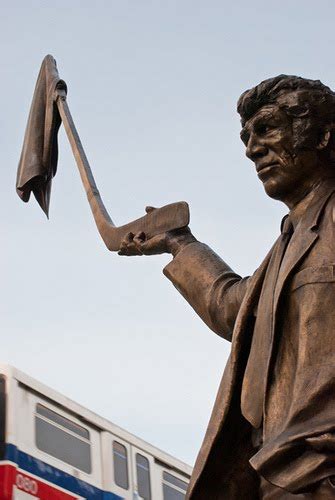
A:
x,y
56,476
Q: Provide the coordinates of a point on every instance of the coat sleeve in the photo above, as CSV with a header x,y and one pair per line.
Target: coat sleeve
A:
x,y
209,285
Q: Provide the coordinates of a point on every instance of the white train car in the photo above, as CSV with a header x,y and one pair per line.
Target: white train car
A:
x,y
51,448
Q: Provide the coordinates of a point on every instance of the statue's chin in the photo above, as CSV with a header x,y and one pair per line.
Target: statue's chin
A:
x,y
275,190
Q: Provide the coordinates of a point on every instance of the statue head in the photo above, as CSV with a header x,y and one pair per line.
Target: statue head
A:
x,y
289,132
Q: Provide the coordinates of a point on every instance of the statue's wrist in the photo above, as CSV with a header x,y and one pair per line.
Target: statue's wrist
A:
x,y
177,244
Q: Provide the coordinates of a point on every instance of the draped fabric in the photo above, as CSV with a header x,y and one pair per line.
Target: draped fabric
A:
x,y
38,162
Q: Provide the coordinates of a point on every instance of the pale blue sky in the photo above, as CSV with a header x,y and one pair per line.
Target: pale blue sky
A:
x,y
153,87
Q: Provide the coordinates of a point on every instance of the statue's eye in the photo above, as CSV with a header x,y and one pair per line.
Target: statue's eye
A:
x,y
263,128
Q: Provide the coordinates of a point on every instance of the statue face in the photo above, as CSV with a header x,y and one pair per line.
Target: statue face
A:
x,y
285,172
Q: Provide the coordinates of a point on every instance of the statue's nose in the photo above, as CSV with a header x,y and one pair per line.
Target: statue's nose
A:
x,y
255,148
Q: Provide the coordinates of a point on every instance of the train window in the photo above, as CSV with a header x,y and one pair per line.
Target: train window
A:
x,y
120,465
173,488
62,439
143,477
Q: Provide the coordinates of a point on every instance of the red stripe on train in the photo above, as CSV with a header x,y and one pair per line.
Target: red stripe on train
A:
x,y
10,477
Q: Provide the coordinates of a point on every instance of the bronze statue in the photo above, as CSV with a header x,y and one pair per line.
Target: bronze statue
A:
x,y
272,430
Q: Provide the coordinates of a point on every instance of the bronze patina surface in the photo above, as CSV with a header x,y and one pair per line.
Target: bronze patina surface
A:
x,y
272,429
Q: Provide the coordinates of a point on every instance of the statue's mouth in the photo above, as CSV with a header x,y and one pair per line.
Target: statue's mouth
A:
x,y
264,170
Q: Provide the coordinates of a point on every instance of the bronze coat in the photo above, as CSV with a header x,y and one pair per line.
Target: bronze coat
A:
x,y
227,304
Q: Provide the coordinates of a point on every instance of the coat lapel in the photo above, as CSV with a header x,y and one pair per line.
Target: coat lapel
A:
x,y
304,236
301,241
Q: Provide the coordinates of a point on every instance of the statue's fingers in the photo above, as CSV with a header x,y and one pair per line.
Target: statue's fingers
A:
x,y
123,250
128,247
129,250
154,246
128,238
140,235
149,209
138,240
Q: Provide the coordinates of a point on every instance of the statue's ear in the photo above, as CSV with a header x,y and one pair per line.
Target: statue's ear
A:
x,y
324,139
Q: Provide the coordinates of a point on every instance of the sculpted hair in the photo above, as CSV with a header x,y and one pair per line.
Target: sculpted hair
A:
x,y
309,103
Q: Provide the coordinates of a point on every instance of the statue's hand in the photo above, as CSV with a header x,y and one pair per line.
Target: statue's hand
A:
x,y
169,242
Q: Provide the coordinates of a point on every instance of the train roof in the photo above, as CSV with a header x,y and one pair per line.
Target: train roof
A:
x,y
93,419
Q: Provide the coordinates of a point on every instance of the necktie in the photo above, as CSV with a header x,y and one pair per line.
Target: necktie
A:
x,y
254,381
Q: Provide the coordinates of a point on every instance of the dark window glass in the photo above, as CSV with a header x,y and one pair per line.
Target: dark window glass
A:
x,y
62,444
170,493
143,476
64,422
120,465
173,488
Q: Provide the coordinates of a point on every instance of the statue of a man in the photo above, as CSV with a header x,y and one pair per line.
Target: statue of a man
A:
x,y
272,429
